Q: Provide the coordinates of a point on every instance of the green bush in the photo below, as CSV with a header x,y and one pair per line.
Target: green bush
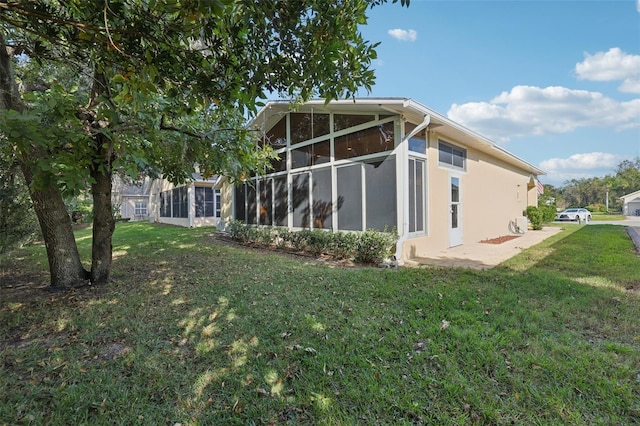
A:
x,y
374,246
535,217
548,213
344,245
364,247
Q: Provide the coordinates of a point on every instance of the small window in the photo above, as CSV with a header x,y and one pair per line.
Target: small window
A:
x,y
305,126
418,142
140,208
451,155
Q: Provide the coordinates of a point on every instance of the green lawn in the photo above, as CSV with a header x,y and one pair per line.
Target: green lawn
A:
x,y
600,216
193,330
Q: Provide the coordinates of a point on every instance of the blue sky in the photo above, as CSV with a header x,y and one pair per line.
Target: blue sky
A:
x,y
556,83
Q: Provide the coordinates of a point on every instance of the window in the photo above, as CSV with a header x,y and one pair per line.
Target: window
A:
x,y
206,201
310,155
266,202
322,198
418,142
280,201
165,204
368,141
179,205
252,207
344,121
140,208
277,135
451,155
305,126
240,207
349,183
381,194
416,195
300,200
218,198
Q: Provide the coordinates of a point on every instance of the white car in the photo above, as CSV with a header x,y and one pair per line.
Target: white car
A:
x,y
577,215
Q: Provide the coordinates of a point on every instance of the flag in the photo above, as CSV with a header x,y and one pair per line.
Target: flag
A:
x,y
539,187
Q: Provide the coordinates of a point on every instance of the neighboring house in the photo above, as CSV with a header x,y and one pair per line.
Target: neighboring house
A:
x,y
631,204
388,163
131,199
196,203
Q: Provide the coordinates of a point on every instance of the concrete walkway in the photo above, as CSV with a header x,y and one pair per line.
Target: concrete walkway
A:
x,y
485,256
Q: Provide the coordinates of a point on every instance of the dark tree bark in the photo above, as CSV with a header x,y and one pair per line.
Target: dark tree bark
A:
x,y
103,222
101,172
62,252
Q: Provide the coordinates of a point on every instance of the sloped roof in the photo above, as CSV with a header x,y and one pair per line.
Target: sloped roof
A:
x,y
632,196
273,111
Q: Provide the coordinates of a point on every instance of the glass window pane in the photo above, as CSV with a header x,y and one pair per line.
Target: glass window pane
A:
x,y
280,200
344,121
368,141
240,202
321,152
454,216
252,208
305,126
266,202
349,182
412,195
300,199
200,201
458,158
381,194
455,190
279,164
445,154
322,198
277,135
218,203
419,191
301,157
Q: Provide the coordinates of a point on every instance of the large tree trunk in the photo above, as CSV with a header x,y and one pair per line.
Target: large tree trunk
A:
x,y
62,252
101,172
103,224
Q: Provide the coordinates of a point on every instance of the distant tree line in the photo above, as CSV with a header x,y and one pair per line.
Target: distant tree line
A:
x,y
592,192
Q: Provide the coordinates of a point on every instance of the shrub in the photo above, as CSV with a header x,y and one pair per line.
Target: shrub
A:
x,y
344,245
535,217
364,247
548,213
374,246
318,241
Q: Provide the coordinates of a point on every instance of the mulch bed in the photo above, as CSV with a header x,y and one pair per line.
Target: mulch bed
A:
x,y
500,240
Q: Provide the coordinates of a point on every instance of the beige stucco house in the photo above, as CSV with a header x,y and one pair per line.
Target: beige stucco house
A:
x,y
131,199
195,203
631,204
388,163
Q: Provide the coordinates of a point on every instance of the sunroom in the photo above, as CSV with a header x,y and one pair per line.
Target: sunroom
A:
x,y
386,164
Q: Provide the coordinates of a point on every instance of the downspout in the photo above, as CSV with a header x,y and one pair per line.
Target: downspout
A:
x,y
404,150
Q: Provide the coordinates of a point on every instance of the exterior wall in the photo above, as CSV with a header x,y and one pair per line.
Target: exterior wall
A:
x,y
128,205
161,185
226,211
493,193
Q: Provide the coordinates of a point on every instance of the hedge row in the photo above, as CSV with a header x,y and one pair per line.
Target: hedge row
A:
x,y
370,247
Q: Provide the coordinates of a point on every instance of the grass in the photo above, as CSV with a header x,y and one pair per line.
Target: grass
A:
x,y
602,216
193,330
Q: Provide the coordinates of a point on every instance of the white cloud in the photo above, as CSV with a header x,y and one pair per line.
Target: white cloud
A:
x,y
530,110
580,166
403,35
638,6
587,161
613,65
